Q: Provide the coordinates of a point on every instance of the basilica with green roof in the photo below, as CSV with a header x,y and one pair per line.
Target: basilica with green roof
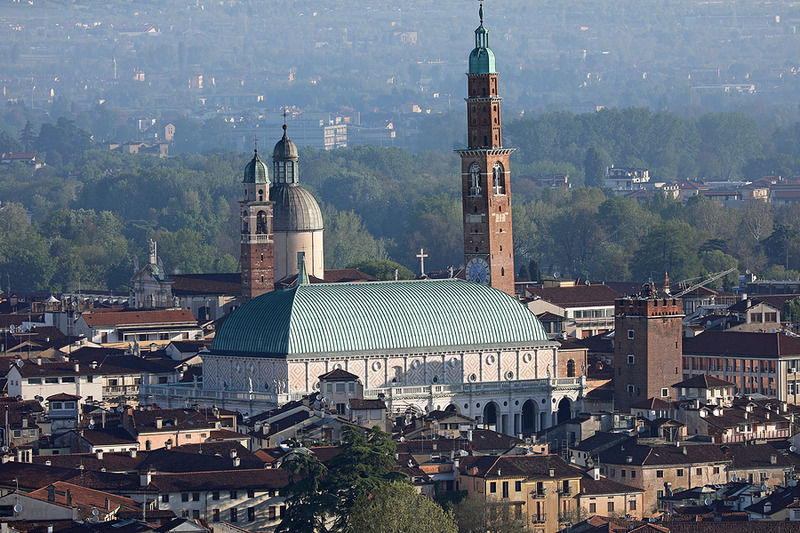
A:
x,y
462,345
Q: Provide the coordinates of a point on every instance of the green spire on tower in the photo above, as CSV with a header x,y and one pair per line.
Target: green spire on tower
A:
x,y
481,59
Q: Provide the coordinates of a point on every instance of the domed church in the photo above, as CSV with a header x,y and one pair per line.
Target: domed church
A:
x,y
297,218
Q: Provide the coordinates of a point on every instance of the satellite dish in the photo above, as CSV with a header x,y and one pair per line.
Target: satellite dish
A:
x,y
94,512
20,363
708,501
280,439
764,487
18,508
792,448
734,479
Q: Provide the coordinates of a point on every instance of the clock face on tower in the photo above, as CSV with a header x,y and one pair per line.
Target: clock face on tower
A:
x,y
478,270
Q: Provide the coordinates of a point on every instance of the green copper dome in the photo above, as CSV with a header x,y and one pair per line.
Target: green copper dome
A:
x,y
256,171
481,59
377,317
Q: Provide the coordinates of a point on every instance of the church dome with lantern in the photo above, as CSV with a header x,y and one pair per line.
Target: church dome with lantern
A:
x,y
298,223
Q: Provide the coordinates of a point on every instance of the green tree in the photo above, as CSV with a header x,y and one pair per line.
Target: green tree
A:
x,y
669,247
382,269
364,465
398,508
308,505
594,169
477,515
347,240
791,310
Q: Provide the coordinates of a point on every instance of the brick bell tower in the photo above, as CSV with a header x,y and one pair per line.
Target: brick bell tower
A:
x,y
257,242
485,173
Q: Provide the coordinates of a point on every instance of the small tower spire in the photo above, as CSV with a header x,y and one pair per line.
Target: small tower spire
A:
x,y
480,12
302,275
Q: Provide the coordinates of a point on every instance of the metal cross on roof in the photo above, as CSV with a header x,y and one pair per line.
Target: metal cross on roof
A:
x,y
422,255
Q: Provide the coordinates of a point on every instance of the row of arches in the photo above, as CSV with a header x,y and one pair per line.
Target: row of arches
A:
x,y
498,179
527,424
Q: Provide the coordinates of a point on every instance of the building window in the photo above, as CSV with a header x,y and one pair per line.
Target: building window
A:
x,y
251,493
185,497
251,514
165,498
631,359
570,368
630,334
632,505
699,471
234,495
498,178
633,474
631,390
492,487
622,473
679,473
664,393
215,515
518,486
234,517
592,508
610,507
215,495
34,381
196,514
272,512
659,473
716,470
195,496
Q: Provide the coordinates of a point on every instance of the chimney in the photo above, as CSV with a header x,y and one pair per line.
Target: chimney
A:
x,y
145,477
233,454
595,472
159,422
51,493
39,361
469,435
49,528
99,454
773,459
236,462
132,451
684,451
552,472
77,367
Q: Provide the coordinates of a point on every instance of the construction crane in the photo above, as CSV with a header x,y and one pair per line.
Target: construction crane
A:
x,y
704,282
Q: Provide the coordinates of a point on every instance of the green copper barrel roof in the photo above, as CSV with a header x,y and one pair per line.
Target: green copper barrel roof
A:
x,y
375,317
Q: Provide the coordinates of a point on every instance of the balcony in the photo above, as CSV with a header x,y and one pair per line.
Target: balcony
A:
x,y
539,494
565,492
539,518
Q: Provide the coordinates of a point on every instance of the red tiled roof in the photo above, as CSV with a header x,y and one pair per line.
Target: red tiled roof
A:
x,y
338,375
268,478
713,342
167,316
207,283
578,296
703,382
69,494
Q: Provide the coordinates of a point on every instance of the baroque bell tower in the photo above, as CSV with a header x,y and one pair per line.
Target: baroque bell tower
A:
x,y
485,173
257,241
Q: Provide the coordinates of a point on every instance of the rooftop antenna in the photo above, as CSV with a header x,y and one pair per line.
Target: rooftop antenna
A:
x,y
255,142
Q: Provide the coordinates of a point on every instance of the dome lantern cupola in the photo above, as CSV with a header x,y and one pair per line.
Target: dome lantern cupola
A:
x,y
284,160
481,59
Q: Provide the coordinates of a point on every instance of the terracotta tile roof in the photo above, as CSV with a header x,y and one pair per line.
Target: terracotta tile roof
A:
x,y
265,478
31,476
643,455
528,466
119,462
30,369
367,404
62,396
107,436
752,526
172,420
703,381
656,404
741,343
341,275
756,456
590,485
338,375
743,305
186,284
578,296
139,317
67,493
325,453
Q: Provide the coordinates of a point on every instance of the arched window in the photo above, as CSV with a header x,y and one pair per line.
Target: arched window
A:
x,y
570,368
147,445
261,223
498,179
474,180
260,195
